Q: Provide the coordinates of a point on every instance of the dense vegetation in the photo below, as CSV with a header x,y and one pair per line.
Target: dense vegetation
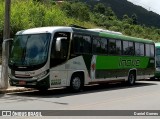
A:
x,y
30,13
121,7
35,13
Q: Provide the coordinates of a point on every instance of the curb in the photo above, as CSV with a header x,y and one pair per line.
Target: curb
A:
x,y
11,90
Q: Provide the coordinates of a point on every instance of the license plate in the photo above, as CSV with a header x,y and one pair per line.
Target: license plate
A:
x,y
22,83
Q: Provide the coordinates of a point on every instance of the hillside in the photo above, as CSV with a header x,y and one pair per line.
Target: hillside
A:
x,y
38,13
122,7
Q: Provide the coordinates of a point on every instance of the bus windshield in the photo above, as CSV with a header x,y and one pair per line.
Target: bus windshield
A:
x,y
30,49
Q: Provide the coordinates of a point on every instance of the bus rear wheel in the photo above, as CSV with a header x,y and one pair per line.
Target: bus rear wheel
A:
x,y
76,83
131,78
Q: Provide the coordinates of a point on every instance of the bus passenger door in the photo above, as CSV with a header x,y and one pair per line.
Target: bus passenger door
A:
x,y
58,77
58,58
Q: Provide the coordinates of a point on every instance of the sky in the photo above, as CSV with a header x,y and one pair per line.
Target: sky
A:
x,y
151,5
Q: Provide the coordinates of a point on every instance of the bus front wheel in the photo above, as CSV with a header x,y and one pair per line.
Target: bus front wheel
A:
x,y
76,83
131,78
42,89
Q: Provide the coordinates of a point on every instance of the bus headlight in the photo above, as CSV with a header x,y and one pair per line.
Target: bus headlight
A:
x,y
41,75
158,69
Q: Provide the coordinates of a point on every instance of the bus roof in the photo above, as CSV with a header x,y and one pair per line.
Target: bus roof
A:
x,y
44,30
124,37
111,34
53,29
157,44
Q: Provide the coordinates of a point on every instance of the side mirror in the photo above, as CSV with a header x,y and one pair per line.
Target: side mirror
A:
x,y
59,43
6,46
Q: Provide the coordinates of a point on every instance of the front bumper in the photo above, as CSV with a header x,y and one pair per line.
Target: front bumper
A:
x,y
43,83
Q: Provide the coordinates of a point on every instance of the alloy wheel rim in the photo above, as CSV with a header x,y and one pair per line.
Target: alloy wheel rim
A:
x,y
76,83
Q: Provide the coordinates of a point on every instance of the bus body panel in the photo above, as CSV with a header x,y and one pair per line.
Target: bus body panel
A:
x,y
61,75
119,66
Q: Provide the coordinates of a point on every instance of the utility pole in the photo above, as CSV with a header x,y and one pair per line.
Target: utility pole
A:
x,y
5,49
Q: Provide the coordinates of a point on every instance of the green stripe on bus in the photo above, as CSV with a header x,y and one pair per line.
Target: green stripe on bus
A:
x,y
121,62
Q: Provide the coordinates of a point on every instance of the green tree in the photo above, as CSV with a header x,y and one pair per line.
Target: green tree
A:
x,y
100,8
134,19
66,7
77,10
109,12
126,19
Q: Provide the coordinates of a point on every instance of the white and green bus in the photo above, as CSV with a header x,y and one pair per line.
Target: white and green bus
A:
x,y
49,57
157,72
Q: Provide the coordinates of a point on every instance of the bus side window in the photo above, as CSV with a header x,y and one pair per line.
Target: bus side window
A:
x,y
59,54
77,44
96,45
64,48
81,44
139,49
61,49
128,48
118,47
104,46
112,46
149,50
152,50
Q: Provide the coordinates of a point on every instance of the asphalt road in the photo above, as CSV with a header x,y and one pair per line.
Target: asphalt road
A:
x,y
145,95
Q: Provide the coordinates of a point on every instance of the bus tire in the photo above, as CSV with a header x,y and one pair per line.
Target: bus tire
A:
x,y
131,78
153,78
42,89
76,83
